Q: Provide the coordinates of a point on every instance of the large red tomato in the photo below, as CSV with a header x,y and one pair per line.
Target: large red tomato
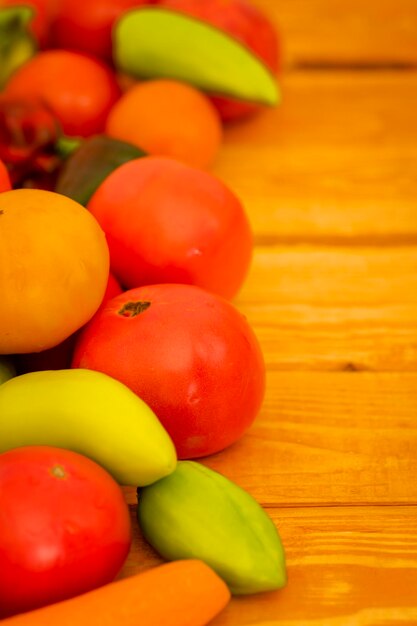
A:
x,y
246,23
190,355
64,527
168,222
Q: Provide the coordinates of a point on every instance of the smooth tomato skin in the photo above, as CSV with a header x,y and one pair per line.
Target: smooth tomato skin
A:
x,y
79,89
87,26
5,184
246,23
59,357
190,355
168,222
64,527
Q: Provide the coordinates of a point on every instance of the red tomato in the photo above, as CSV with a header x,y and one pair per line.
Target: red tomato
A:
x,y
79,90
4,178
113,289
190,355
169,222
87,26
64,527
243,21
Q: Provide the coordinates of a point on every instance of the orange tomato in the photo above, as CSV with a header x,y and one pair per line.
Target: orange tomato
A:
x,y
168,118
80,90
4,178
54,266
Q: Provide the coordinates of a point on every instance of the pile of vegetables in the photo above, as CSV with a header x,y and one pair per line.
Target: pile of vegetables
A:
x,y
123,360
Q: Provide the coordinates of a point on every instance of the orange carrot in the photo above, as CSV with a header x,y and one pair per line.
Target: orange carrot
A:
x,y
181,593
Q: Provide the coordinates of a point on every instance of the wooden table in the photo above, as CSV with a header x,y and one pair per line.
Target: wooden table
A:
x,y
329,180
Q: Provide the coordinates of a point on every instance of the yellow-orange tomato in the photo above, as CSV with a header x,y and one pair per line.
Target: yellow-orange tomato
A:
x,y
54,266
168,118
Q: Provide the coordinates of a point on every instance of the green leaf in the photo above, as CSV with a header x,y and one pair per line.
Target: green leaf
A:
x,y
87,167
158,43
16,43
7,369
65,146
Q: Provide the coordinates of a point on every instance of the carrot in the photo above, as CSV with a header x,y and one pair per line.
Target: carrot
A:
x,y
181,593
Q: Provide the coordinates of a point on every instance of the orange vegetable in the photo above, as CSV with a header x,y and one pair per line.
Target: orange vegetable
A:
x,y
54,267
168,118
181,593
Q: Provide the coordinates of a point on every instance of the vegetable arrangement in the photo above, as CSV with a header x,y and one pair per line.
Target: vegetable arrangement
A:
x,y
122,356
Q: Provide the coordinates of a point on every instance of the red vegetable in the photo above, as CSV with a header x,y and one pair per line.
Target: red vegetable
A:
x,y
4,178
190,355
64,527
79,90
28,134
169,222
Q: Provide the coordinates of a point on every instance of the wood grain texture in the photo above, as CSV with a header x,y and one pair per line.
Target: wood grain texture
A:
x,y
332,308
329,438
338,161
339,33
346,565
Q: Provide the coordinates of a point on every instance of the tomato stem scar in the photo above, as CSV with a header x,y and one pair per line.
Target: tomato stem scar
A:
x,y
131,309
58,471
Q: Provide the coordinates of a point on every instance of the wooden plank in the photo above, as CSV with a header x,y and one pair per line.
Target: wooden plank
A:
x,y
336,32
347,563
326,438
329,439
336,163
334,308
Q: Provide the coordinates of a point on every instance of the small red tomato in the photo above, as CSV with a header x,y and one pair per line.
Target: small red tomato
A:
x,y
169,222
64,527
87,26
113,289
246,23
190,355
4,178
79,90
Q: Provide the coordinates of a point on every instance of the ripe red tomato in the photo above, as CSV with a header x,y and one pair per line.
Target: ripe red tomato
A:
x,y
87,26
243,21
4,178
190,355
79,89
64,527
169,222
